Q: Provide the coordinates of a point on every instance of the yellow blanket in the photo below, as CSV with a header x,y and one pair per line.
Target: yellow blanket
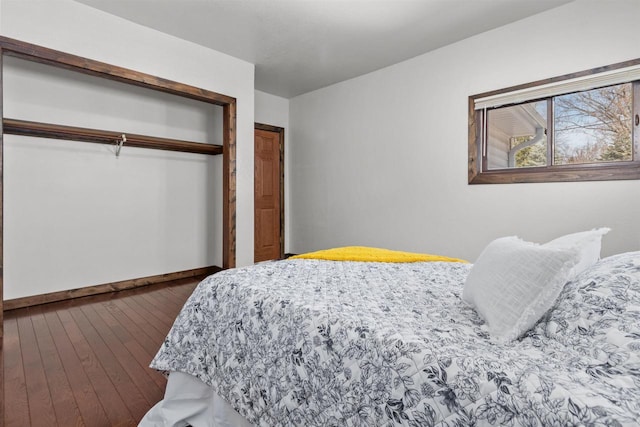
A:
x,y
366,254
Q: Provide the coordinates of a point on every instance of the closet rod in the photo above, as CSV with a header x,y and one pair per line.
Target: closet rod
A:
x,y
48,130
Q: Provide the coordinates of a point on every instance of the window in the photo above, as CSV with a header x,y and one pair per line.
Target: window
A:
x,y
573,128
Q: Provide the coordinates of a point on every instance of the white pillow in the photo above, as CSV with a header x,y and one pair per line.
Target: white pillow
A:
x,y
588,244
514,283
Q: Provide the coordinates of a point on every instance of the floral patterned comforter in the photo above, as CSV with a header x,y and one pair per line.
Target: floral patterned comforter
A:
x,y
324,343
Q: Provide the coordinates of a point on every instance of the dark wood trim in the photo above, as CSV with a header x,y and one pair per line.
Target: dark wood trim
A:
x,y
561,173
269,128
280,131
282,200
53,131
474,144
1,239
82,65
477,173
229,187
29,301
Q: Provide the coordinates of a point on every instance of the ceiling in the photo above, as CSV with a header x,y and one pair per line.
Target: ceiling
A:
x,y
298,46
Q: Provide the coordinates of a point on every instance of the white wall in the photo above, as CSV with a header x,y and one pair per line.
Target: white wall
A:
x,y
271,110
381,160
274,110
77,216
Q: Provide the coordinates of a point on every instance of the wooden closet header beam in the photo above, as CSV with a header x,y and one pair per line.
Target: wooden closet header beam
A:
x,y
79,64
47,130
1,245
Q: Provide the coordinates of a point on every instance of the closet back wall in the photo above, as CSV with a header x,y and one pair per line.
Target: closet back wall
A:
x,y
75,215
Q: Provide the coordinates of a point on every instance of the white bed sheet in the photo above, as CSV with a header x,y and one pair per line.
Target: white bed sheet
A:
x,y
190,402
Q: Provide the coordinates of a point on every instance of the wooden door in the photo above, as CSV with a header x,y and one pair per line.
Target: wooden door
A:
x,y
269,194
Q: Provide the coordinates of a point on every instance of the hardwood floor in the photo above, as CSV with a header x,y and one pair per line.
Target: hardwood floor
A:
x,y
84,362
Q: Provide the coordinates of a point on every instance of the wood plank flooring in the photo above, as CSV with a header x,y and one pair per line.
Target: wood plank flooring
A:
x,y
84,362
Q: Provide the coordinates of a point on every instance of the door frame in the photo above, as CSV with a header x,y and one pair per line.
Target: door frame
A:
x,y
280,131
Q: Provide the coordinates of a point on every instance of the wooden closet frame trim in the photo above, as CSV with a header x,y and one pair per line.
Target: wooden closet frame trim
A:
x,y
43,55
1,242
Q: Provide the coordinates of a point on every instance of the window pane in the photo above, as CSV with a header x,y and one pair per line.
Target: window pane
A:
x,y
593,126
517,136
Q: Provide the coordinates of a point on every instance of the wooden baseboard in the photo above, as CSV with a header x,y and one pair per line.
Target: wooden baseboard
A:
x,y
12,304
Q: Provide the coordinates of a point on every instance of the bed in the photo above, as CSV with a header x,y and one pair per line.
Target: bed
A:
x,y
309,342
